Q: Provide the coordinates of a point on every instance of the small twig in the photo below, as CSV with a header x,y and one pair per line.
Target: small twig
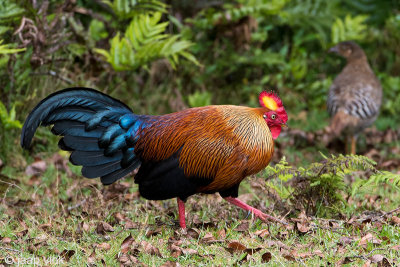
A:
x,y
77,205
365,257
329,228
11,184
369,254
117,233
390,212
11,249
328,220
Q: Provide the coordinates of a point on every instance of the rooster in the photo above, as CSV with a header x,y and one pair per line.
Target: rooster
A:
x,y
198,150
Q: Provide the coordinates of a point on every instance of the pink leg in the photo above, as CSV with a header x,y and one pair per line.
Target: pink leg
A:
x,y
257,213
181,208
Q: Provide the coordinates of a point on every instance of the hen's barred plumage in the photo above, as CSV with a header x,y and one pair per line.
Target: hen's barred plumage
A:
x,y
355,97
199,150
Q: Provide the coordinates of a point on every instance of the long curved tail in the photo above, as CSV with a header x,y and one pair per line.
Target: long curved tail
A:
x,y
99,130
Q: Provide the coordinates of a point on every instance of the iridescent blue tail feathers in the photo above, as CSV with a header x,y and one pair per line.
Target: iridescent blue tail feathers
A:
x,y
99,130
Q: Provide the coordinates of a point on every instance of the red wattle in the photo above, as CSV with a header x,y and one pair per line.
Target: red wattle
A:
x,y
275,131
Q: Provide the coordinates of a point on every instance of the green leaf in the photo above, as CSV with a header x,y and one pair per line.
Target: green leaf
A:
x,y
351,28
6,49
97,30
145,41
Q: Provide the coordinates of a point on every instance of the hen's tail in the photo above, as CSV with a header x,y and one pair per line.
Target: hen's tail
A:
x,y
100,131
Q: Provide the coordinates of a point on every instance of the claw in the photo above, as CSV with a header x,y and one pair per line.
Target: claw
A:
x,y
258,213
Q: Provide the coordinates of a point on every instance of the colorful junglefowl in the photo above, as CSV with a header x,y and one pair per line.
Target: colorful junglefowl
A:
x,y
199,150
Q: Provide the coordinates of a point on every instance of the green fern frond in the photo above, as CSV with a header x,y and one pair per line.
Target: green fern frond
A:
x,y
351,28
6,49
377,179
126,9
234,12
319,187
10,11
144,42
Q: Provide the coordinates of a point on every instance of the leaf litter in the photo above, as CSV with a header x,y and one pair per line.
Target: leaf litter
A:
x,y
243,239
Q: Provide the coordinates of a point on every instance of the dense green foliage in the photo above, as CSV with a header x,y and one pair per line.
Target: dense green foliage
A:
x,y
321,187
242,46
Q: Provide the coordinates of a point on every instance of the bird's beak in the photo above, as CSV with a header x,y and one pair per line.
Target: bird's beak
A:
x,y
333,50
284,125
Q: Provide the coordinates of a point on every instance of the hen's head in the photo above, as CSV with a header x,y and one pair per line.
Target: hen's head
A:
x,y
348,49
276,117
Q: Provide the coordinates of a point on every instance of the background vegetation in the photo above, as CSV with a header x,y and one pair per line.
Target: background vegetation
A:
x,y
160,57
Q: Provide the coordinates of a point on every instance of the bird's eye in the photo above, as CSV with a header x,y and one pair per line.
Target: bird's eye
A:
x,y
273,116
264,116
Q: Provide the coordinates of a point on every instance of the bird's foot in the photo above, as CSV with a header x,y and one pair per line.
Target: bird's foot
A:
x,y
256,212
265,217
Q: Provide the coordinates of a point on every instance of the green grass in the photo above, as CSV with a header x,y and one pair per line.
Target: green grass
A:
x,y
53,215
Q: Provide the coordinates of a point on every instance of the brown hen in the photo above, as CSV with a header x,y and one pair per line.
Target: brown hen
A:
x,y
355,95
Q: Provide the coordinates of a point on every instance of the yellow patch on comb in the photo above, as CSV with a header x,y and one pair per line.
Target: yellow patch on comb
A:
x,y
269,102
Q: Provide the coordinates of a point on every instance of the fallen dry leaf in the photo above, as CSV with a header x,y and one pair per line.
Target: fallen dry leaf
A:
x,y
235,247
119,217
171,264
124,259
6,240
279,244
345,240
208,238
384,263
396,247
131,225
103,227
376,258
266,257
84,226
303,227
173,240
153,232
128,260
242,227
395,220
343,261
221,233
193,233
36,168
22,233
263,233
288,256
92,258
175,251
189,251
369,238
126,244
45,226
150,249
366,264
319,253
67,254
104,246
